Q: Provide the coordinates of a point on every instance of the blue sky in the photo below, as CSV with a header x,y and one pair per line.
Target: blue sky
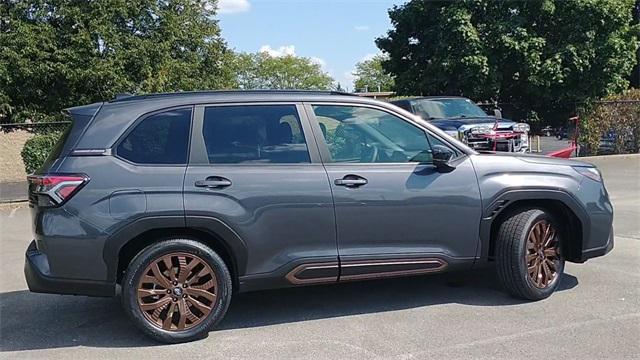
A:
x,y
336,33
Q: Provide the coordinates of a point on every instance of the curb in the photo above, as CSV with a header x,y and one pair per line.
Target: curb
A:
x,y
12,201
13,205
623,156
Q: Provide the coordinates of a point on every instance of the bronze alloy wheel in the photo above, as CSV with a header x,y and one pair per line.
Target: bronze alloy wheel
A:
x,y
542,254
177,291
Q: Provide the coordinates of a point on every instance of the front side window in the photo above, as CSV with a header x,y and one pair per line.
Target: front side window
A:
x,y
255,134
364,135
161,138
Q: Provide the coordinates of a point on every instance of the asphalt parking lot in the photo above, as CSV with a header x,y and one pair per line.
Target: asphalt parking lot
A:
x,y
596,313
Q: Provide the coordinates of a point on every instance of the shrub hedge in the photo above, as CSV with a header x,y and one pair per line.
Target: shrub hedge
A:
x,y
37,149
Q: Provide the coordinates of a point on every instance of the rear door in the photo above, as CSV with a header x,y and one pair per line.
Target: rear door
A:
x,y
256,168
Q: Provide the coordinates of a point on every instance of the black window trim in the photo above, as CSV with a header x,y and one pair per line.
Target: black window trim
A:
x,y
198,153
141,118
324,149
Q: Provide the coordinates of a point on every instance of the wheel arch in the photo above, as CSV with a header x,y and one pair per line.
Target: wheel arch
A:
x,y
559,203
123,246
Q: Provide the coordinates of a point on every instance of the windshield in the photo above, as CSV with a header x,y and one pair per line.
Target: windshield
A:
x,y
430,109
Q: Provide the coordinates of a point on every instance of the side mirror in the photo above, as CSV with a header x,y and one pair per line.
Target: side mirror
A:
x,y
442,156
497,113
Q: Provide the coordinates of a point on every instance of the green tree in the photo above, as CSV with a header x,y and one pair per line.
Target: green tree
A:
x,y
540,56
263,71
58,53
634,77
338,87
371,76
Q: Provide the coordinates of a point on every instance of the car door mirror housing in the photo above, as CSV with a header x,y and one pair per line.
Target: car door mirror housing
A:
x,y
442,157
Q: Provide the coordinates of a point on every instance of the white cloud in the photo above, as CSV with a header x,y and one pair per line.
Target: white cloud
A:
x,y
361,28
281,51
233,6
349,77
323,65
368,57
290,50
319,61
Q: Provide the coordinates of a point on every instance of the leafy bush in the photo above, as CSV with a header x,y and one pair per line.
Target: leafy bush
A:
x,y
37,149
617,116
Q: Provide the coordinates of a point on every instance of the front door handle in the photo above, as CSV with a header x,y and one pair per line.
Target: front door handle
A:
x,y
213,182
351,181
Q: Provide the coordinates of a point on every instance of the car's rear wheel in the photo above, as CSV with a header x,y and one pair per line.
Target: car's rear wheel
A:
x,y
176,290
528,254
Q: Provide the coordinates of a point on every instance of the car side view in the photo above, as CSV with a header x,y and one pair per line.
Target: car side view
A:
x,y
177,201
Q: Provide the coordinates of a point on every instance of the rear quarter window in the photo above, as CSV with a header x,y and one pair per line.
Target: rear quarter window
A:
x,y
57,149
161,138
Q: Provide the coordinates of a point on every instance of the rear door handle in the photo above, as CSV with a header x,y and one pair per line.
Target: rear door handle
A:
x,y
214,182
351,181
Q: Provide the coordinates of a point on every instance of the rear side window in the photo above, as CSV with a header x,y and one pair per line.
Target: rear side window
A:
x,y
161,138
256,134
57,149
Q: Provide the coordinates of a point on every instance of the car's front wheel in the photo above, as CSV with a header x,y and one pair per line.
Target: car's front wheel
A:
x,y
528,254
176,290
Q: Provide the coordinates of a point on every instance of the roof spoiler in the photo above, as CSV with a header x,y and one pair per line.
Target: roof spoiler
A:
x,y
84,110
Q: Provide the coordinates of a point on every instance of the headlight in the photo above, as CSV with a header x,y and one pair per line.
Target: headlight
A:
x,y
521,127
482,131
590,172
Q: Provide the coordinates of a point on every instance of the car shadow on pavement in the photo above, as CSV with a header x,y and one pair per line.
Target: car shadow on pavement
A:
x,y
31,321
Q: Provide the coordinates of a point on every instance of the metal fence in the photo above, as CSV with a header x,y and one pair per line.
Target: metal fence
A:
x,y
36,128
611,127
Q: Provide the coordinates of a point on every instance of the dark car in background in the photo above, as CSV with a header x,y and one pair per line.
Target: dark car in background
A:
x,y
464,120
179,200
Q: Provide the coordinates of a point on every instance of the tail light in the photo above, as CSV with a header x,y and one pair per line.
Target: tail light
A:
x,y
55,189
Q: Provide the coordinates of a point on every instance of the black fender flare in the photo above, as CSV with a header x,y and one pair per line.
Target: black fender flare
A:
x,y
210,225
510,196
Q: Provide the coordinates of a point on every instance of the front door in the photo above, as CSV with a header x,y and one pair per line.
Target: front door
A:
x,y
256,170
395,213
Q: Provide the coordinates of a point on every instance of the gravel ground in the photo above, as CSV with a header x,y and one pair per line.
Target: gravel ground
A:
x,y
11,165
594,315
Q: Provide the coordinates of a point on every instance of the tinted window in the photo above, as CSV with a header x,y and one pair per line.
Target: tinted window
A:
x,y
403,104
364,135
266,134
57,149
159,139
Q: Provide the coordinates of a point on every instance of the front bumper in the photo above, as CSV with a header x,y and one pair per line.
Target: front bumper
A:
x,y
40,280
599,251
502,141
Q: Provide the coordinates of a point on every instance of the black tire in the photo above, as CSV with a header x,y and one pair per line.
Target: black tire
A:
x,y
511,252
153,252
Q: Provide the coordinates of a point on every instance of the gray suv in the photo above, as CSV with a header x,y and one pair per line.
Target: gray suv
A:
x,y
182,199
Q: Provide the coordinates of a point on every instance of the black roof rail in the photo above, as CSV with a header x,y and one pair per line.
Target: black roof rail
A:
x,y
129,97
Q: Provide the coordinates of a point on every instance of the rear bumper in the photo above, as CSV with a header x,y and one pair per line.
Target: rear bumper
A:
x,y
599,251
40,280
